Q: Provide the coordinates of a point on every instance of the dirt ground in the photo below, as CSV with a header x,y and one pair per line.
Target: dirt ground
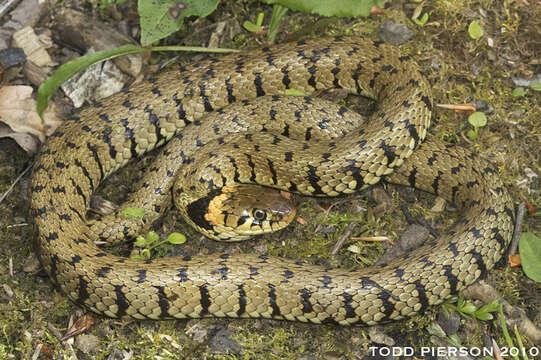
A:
x,y
34,313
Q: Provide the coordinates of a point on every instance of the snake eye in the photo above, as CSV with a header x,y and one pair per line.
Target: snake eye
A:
x,y
259,214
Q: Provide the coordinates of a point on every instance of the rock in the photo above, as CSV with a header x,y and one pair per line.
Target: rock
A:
x,y
395,33
481,105
413,237
307,357
198,332
379,337
221,343
94,83
83,32
27,13
448,322
525,82
12,56
120,355
86,343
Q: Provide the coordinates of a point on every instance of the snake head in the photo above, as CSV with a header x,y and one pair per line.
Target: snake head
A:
x,y
240,211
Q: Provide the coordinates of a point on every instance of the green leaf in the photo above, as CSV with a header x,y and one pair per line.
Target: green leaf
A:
x,y
354,249
160,18
477,119
475,30
435,329
64,72
468,308
260,18
492,306
295,92
133,212
250,26
152,237
454,339
536,86
340,8
145,254
423,20
67,70
484,316
471,134
529,247
460,301
140,241
176,238
517,107
518,92
278,13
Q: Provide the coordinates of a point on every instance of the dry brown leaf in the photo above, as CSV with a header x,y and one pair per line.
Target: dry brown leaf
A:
x,y
27,142
33,46
458,107
376,10
81,325
18,111
514,260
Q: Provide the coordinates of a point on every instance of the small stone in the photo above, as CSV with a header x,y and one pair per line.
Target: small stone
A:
x,y
333,355
483,106
526,82
28,13
448,322
439,205
395,33
86,343
307,357
221,343
12,56
31,265
120,355
198,332
413,237
379,337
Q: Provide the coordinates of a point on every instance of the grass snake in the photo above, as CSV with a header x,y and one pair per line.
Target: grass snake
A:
x,y
104,136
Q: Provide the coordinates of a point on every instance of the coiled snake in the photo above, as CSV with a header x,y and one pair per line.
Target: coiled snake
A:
x,y
102,137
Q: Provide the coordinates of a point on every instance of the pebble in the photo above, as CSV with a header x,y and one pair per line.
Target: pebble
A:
x,y
395,33
86,343
448,322
525,82
221,343
12,56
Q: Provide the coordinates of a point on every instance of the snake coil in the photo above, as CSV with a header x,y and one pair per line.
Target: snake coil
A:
x,y
103,137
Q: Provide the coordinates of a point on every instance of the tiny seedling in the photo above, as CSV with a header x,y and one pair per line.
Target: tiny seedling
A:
x,y
255,28
151,241
518,92
475,30
483,313
137,213
477,120
417,18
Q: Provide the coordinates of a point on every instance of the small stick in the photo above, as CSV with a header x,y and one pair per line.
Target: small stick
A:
x,y
6,7
8,191
516,233
373,239
340,242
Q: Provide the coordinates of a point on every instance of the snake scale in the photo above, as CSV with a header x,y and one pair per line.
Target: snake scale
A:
x,y
104,136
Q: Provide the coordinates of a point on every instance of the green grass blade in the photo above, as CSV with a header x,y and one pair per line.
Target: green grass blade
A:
x,y
67,70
